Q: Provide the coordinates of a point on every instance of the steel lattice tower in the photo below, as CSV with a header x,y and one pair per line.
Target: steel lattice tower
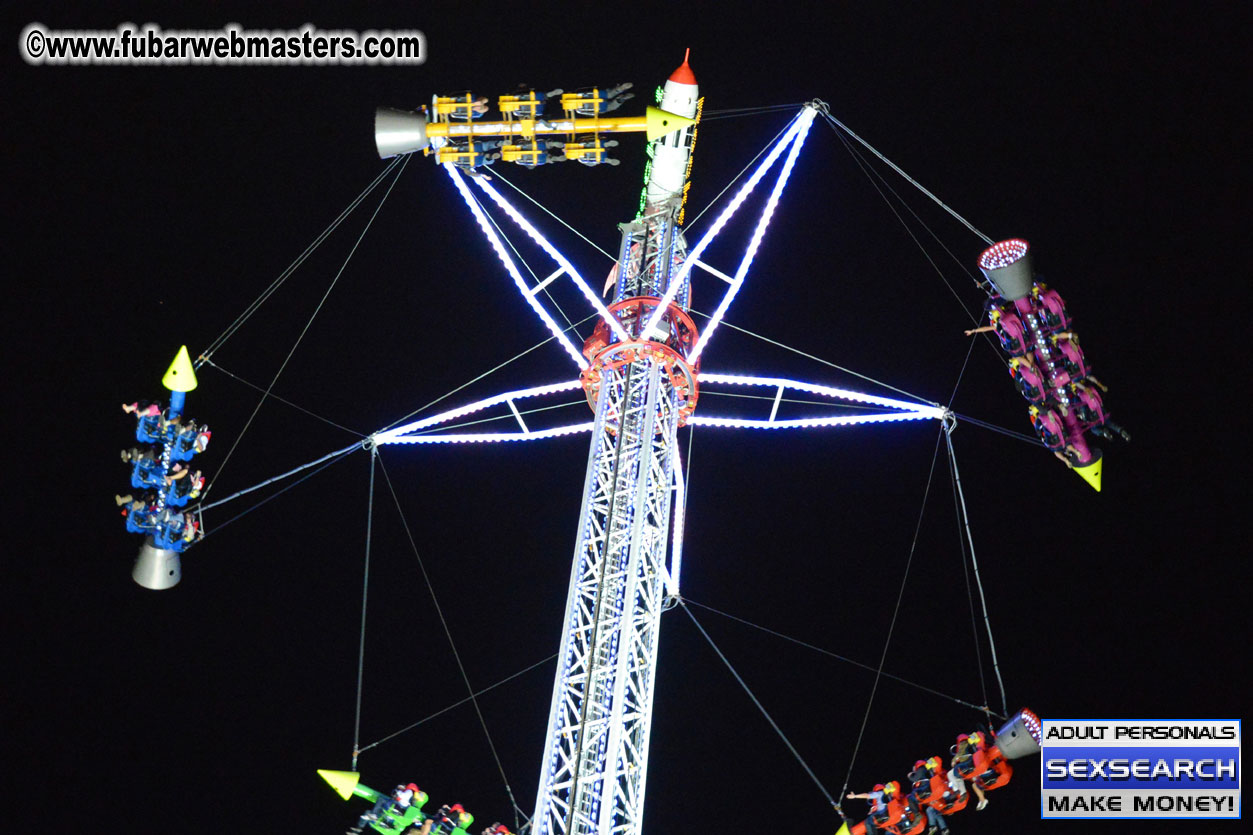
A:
x,y
596,759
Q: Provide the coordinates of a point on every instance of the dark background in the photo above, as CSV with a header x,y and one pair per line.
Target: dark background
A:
x,y
146,207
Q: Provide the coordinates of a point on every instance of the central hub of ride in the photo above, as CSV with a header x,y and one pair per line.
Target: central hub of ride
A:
x,y
667,345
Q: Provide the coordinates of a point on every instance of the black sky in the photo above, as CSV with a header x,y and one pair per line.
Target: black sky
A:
x,y
147,206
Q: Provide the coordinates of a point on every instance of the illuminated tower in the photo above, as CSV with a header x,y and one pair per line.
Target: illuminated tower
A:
x,y
640,371
642,388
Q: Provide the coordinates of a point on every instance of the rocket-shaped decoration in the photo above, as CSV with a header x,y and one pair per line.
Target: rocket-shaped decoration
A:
x,y
671,152
1091,472
180,378
348,783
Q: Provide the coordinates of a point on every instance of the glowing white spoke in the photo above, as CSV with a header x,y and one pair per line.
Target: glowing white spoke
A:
x,y
491,437
719,273
509,265
390,436
680,508
518,415
676,283
553,253
923,410
806,423
555,275
804,123
774,409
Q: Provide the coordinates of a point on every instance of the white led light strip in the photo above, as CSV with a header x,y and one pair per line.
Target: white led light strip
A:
x,y
680,509
509,265
924,410
805,423
491,437
552,251
806,119
677,282
393,436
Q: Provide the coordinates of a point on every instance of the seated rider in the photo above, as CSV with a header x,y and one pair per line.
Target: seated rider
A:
x,y
541,152
1053,313
497,829
969,759
955,795
1008,328
190,441
531,103
449,819
176,530
1048,426
181,487
156,429
147,471
1067,343
886,808
135,453
994,771
141,513
930,786
611,98
1027,379
477,153
400,798
913,821
594,151
146,410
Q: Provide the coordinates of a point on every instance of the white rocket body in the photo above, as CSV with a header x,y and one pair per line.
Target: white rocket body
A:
x,y
672,151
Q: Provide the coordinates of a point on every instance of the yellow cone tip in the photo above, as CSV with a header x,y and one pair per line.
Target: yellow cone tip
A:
x,y
180,376
343,782
659,122
843,830
1091,473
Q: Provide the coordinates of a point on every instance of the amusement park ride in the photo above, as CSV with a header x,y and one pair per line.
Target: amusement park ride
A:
x,y
641,372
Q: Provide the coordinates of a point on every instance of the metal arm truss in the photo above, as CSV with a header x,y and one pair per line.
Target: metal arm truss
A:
x,y
642,382
792,140
503,407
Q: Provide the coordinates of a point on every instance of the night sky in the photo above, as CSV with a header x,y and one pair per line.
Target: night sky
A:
x,y
148,206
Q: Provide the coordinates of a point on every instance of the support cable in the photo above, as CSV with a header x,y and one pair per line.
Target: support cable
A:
x,y
895,612
970,594
1009,433
867,171
736,112
305,330
718,196
996,667
365,592
458,703
961,544
292,267
960,375
838,657
980,423
255,387
497,175
793,401
333,457
449,427
827,363
874,175
485,374
763,710
448,633
911,180
518,255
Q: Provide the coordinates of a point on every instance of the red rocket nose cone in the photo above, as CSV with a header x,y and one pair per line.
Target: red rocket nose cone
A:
x,y
683,75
